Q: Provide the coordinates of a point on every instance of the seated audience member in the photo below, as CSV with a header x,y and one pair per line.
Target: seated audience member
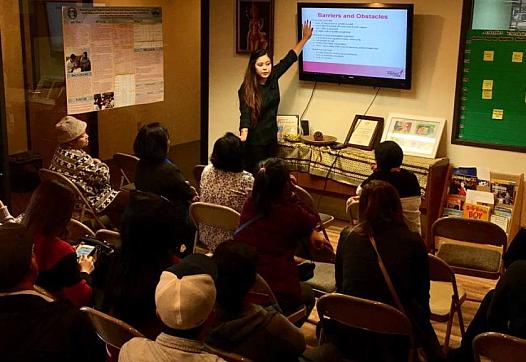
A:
x,y
358,272
46,218
502,310
275,221
224,183
185,297
156,173
247,329
516,250
90,175
33,326
389,156
149,243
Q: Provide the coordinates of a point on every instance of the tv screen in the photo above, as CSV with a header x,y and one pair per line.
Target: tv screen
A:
x,y
367,44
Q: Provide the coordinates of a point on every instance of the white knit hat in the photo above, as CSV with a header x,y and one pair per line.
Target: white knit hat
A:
x,y
69,128
186,293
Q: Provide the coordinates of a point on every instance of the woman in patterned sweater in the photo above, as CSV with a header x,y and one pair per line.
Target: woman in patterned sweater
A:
x,y
89,174
224,183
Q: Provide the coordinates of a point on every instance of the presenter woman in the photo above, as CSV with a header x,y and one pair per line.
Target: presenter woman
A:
x,y
259,101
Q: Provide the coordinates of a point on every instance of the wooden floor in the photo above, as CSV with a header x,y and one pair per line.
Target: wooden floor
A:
x,y
475,288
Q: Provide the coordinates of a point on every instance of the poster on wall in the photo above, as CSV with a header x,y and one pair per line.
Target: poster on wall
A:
x,y
113,57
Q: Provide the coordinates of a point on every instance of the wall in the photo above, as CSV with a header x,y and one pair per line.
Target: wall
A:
x,y
13,76
435,53
180,110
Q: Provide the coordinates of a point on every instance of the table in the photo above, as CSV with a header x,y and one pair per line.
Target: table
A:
x,y
340,172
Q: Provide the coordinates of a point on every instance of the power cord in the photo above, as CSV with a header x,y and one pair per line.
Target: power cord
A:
x,y
339,150
308,102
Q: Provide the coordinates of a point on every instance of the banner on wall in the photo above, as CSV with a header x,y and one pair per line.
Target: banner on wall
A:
x,y
113,57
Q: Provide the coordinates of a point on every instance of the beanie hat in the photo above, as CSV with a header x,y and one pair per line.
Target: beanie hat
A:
x,y
69,128
16,249
388,155
186,293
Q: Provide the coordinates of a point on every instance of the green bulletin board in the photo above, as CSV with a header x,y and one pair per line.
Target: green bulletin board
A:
x,y
493,97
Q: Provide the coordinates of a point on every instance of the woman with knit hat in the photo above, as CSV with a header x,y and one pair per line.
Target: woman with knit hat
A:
x,y
90,175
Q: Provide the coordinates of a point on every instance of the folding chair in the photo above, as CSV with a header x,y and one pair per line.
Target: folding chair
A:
x,y
213,215
197,172
364,314
323,280
499,347
470,247
127,165
445,297
85,206
76,230
110,330
262,294
306,197
352,209
110,236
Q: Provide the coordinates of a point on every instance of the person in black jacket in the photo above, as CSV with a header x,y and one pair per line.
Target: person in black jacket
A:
x,y
358,274
261,334
33,326
259,101
155,173
502,310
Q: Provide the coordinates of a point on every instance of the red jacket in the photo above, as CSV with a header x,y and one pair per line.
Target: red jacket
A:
x,y
59,272
276,237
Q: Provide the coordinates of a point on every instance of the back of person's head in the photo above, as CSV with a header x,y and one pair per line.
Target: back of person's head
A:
x,y
186,294
236,274
148,231
69,129
271,183
16,249
50,209
149,238
227,154
152,142
379,207
388,155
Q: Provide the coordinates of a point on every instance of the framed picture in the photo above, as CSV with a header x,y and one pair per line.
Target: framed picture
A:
x,y
288,127
365,132
254,25
417,135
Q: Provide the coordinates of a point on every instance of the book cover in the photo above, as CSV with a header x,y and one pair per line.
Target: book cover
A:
x,y
476,212
501,221
461,183
503,211
454,202
504,192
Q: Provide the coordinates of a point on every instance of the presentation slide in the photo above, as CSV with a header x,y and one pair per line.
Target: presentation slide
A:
x,y
362,42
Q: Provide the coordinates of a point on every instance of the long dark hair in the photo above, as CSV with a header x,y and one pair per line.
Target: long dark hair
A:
x,y
251,92
149,240
49,209
379,208
271,182
236,274
151,142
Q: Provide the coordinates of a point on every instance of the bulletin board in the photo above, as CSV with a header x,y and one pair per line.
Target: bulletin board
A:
x,y
493,96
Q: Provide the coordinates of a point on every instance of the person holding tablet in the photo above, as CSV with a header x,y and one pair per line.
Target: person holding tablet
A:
x,y
259,100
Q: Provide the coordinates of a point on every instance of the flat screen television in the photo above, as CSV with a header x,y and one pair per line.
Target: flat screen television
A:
x,y
366,44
